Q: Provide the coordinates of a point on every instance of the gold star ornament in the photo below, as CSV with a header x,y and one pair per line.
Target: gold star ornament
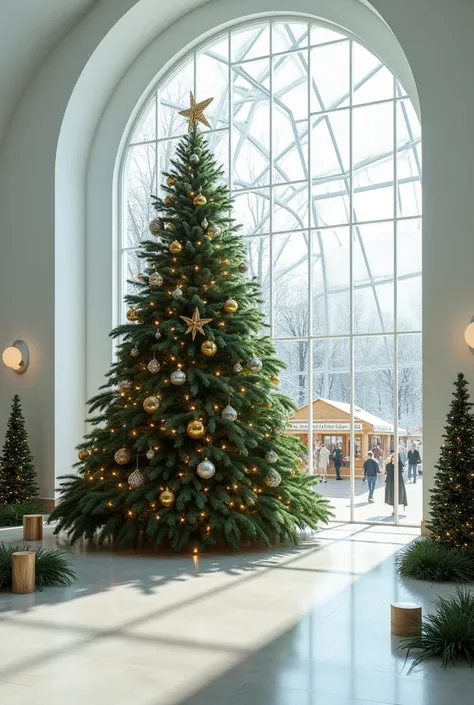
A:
x,y
195,323
195,113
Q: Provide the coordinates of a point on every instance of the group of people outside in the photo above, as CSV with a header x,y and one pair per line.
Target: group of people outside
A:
x,y
374,466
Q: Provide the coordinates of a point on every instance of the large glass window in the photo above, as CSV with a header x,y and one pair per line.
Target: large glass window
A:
x,y
322,151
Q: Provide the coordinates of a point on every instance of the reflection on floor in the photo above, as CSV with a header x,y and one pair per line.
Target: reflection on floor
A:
x,y
338,493
289,626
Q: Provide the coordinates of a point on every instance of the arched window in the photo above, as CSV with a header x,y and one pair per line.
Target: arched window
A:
x,y
322,151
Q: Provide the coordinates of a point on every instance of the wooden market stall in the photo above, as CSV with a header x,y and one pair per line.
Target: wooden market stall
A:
x,y
332,426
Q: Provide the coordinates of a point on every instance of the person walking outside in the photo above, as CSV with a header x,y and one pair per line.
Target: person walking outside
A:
x,y
371,471
390,484
323,462
414,459
337,459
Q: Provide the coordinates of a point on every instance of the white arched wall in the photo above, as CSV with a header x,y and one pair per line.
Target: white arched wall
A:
x,y
72,119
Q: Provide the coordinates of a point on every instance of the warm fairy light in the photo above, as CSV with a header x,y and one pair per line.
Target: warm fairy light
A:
x,y
109,504
130,513
202,514
157,516
182,520
243,389
119,484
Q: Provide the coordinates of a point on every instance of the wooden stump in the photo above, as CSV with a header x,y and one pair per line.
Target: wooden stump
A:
x,y
23,572
32,527
405,619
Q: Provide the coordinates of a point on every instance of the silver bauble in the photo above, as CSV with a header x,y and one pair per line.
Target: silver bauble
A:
x,y
212,230
156,226
158,334
204,223
272,478
122,456
255,364
206,469
229,413
271,457
177,293
150,454
134,352
136,479
154,366
194,158
178,377
238,367
155,279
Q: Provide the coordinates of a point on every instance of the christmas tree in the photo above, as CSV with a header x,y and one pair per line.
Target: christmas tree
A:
x,y
452,498
17,471
188,446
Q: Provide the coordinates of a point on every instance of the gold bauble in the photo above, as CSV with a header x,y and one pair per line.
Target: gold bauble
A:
x,y
169,200
231,306
199,200
275,379
151,404
167,498
132,314
176,247
243,267
208,348
170,181
122,456
196,429
83,454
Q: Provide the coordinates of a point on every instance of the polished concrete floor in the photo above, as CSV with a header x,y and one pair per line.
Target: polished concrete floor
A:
x,y
290,626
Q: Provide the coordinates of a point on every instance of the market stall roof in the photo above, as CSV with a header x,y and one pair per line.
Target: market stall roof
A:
x,y
331,415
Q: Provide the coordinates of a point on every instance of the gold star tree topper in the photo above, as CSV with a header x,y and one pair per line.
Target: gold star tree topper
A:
x,y
195,113
195,323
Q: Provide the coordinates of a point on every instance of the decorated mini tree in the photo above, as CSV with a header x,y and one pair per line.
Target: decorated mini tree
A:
x,y
189,447
452,498
17,471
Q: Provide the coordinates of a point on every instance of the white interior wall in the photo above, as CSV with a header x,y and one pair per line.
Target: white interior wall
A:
x,y
436,39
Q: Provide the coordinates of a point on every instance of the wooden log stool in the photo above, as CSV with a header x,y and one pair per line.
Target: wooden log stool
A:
x,y
23,572
32,527
405,619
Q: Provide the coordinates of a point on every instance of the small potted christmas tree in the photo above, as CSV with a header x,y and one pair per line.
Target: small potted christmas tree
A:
x,y
17,471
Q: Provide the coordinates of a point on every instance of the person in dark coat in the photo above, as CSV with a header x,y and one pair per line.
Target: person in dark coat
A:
x,y
390,484
337,459
414,459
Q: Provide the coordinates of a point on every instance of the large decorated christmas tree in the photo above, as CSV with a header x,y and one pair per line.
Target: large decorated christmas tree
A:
x,y
452,498
188,446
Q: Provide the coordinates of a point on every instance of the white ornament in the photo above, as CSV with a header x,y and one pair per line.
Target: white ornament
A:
x,y
255,364
150,454
206,469
229,413
213,230
272,478
154,366
158,335
178,377
204,223
271,457
155,279
238,367
134,352
177,293
136,479
194,158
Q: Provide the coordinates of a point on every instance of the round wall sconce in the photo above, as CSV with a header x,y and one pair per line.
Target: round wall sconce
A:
x,y
17,357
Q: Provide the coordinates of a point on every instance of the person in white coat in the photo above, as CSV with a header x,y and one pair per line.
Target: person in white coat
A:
x,y
323,462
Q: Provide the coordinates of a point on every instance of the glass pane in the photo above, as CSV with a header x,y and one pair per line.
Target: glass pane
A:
x,y
145,131
330,76
331,420
290,207
290,276
330,204
212,79
250,42
251,124
252,211
330,144
294,379
373,265
373,418
166,151
371,79
140,183
173,96
408,160
258,257
218,143
331,282
133,265
410,420
289,35
322,35
409,274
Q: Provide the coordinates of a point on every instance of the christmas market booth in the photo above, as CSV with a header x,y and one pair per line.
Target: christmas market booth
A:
x,y
332,426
